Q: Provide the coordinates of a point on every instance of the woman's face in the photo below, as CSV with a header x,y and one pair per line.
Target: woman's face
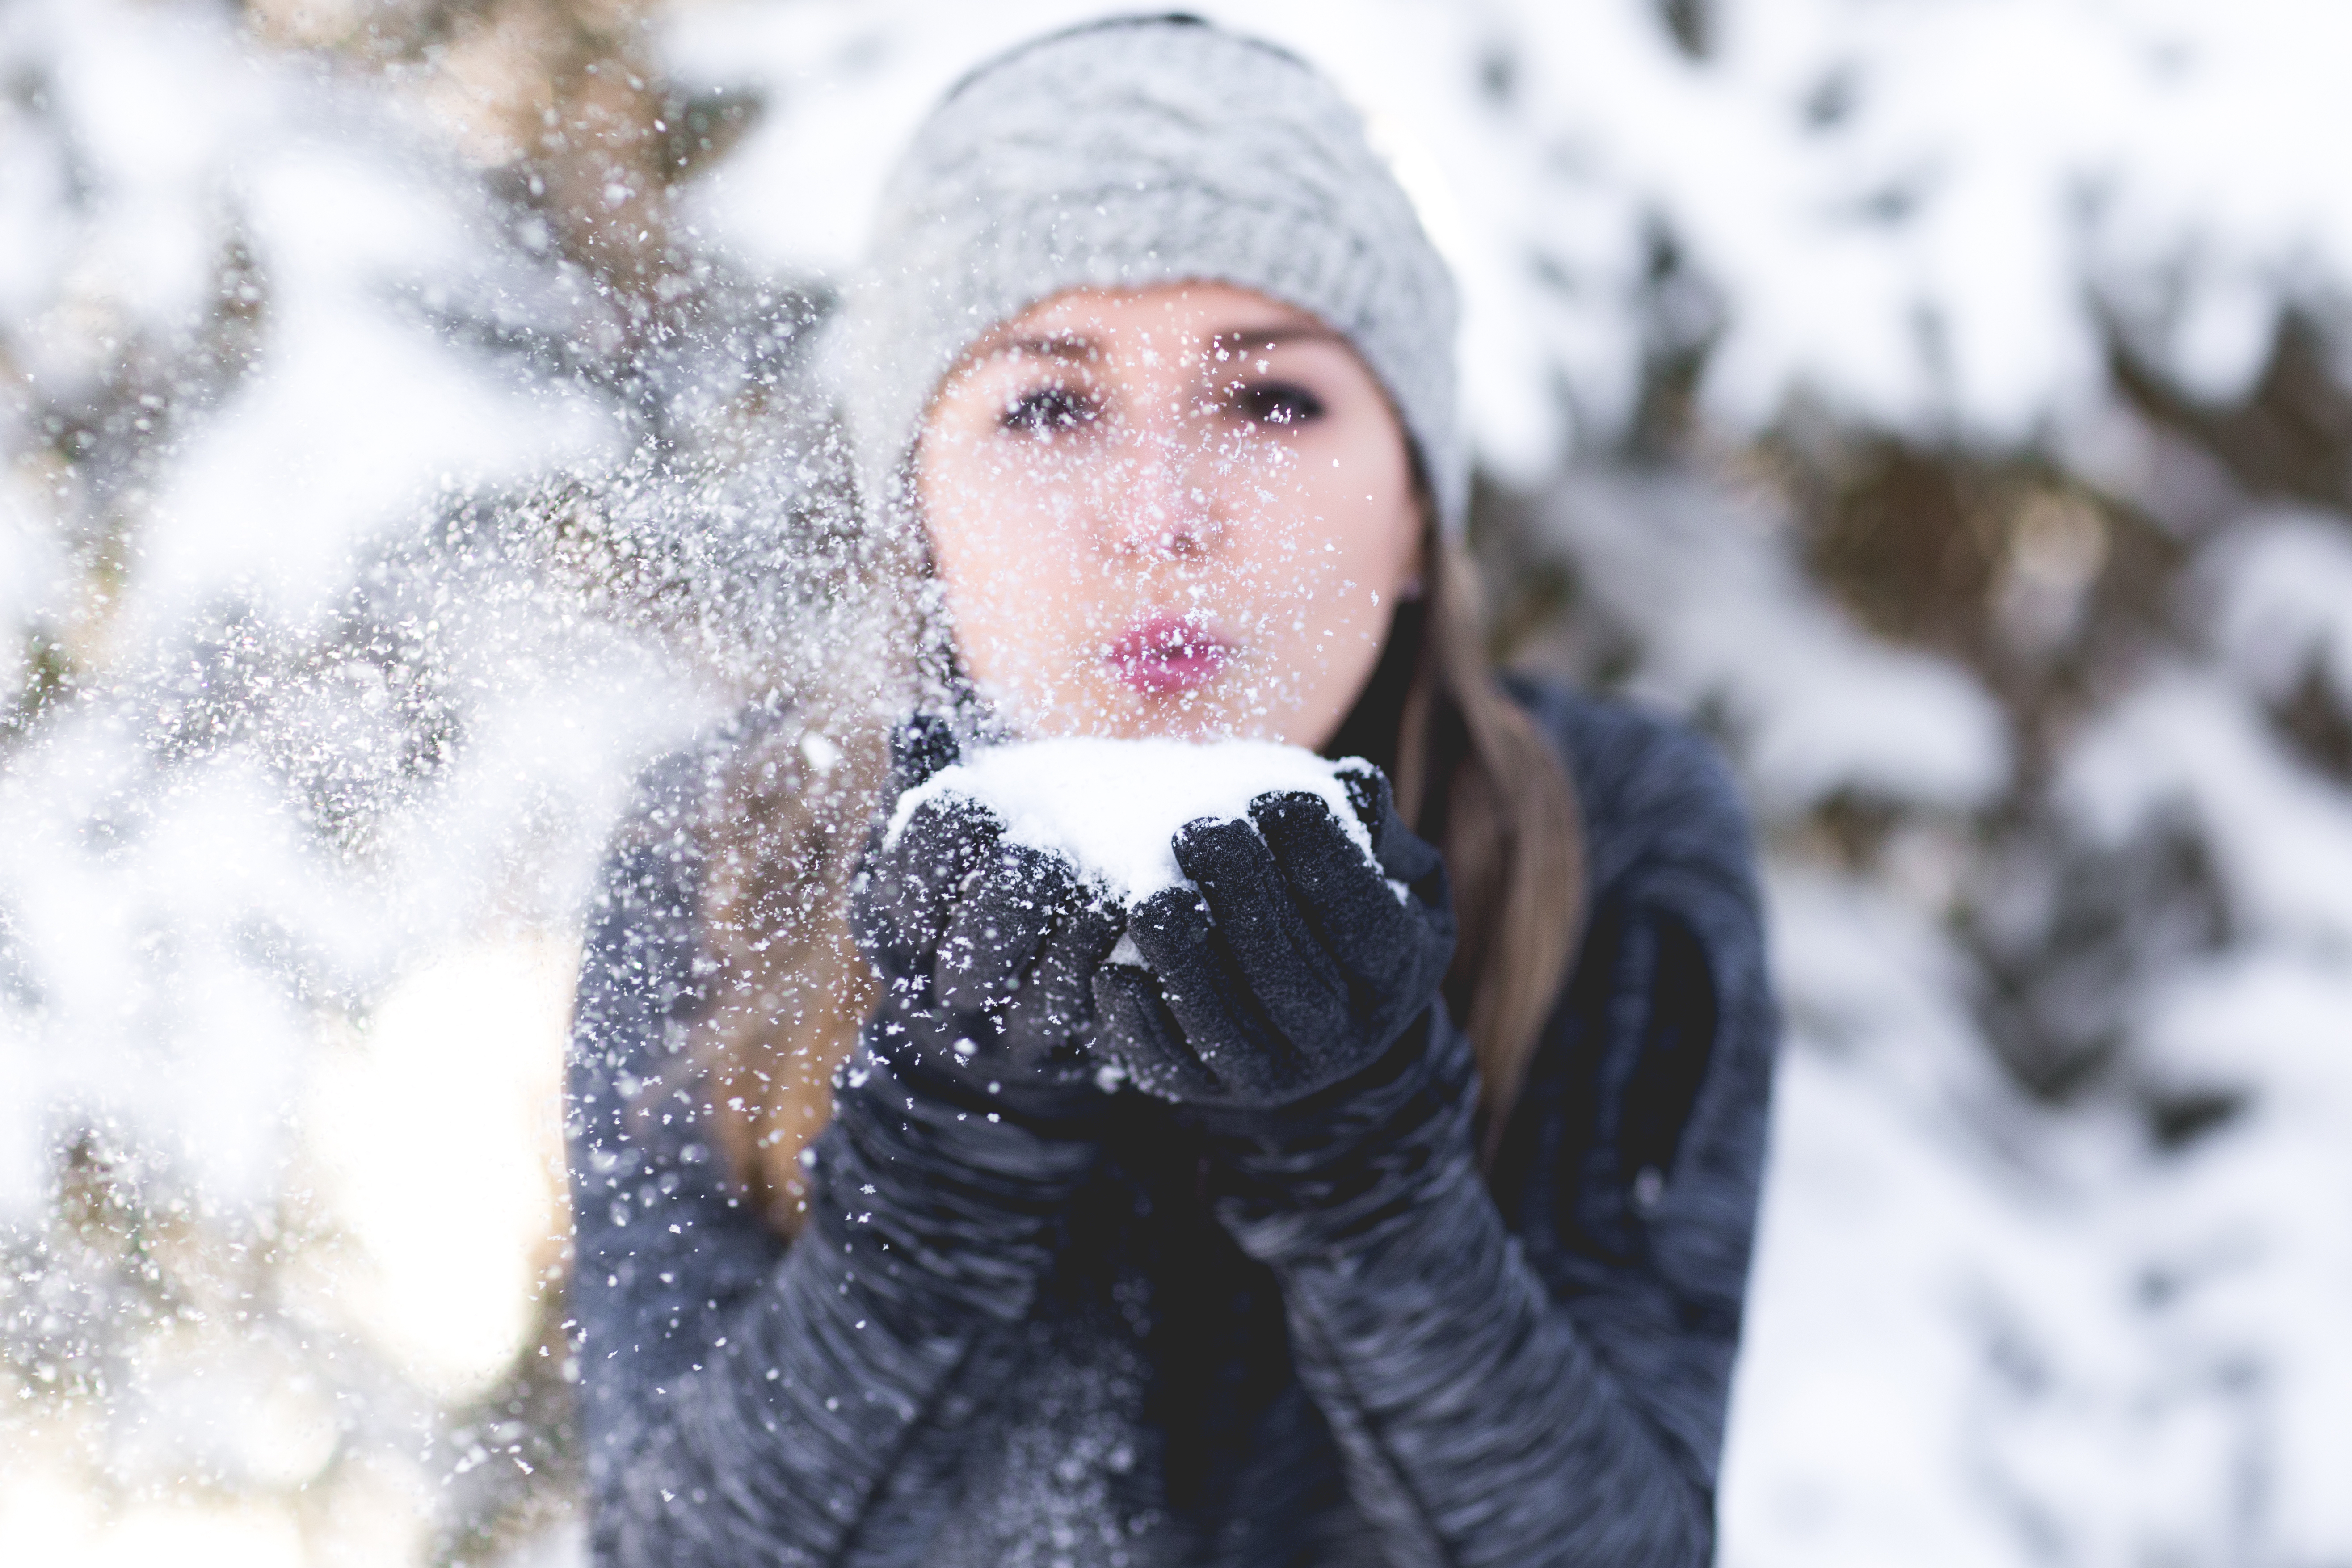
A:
x,y
1177,510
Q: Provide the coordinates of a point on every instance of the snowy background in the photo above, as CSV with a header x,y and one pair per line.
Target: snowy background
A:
x,y
1947,404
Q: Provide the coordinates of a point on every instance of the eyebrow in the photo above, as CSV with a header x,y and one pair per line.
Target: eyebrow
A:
x,y
1245,338
1075,347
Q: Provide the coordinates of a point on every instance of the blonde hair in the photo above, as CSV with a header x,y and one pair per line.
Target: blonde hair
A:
x,y
782,838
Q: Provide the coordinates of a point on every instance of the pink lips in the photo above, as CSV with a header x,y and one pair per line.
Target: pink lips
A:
x,y
1164,654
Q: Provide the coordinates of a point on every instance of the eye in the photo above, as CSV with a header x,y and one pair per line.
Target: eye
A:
x,y
1046,409
1278,402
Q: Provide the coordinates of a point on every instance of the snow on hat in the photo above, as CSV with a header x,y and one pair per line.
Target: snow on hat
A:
x,y
1134,151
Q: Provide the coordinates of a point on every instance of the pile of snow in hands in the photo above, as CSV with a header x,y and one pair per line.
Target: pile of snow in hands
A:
x,y
1113,808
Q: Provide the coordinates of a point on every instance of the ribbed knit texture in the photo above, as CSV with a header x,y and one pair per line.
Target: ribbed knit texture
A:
x,y
1131,153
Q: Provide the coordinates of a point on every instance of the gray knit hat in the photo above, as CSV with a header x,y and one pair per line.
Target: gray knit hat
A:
x,y
1132,152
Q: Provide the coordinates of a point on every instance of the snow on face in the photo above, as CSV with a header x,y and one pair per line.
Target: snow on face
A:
x,y
1186,510
1112,807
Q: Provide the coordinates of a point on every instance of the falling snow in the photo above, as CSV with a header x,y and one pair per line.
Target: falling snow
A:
x,y
365,531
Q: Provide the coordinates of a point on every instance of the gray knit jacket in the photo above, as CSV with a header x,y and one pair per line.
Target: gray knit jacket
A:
x,y
1336,1343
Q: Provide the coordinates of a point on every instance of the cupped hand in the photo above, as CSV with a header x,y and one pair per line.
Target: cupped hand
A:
x,y
986,951
1293,962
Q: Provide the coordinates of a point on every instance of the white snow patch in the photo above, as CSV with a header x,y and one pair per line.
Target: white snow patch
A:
x,y
445,1259
2281,590
2185,742
1703,576
1113,807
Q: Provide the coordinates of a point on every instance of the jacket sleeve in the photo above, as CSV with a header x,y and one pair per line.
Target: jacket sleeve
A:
x,y
1548,1387
743,1400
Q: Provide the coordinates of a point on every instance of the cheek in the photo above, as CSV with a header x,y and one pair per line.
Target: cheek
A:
x,y
1013,591
1336,534
1322,574
982,495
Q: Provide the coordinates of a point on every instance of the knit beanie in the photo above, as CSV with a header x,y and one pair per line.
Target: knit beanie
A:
x,y
1132,152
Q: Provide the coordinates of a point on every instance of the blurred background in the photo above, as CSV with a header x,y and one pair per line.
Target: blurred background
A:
x,y
408,431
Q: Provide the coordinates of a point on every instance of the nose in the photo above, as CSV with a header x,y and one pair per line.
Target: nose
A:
x,y
1162,501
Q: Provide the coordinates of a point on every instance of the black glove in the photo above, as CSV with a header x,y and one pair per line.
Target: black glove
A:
x,y
985,949
1296,964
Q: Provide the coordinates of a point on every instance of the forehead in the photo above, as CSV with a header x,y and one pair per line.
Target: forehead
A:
x,y
1164,314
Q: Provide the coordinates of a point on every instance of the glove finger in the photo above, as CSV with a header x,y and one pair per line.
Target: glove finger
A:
x,y
910,887
1171,929
1008,904
920,747
1368,792
1054,1010
1295,983
1345,901
1403,854
1142,1037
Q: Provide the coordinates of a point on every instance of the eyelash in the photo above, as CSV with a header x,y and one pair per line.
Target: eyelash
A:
x,y
1281,404
1048,410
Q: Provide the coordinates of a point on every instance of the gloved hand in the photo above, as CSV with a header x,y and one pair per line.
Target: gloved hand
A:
x,y
1296,964
986,951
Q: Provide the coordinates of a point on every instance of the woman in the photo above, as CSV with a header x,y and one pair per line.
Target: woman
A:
x,y
1411,1220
